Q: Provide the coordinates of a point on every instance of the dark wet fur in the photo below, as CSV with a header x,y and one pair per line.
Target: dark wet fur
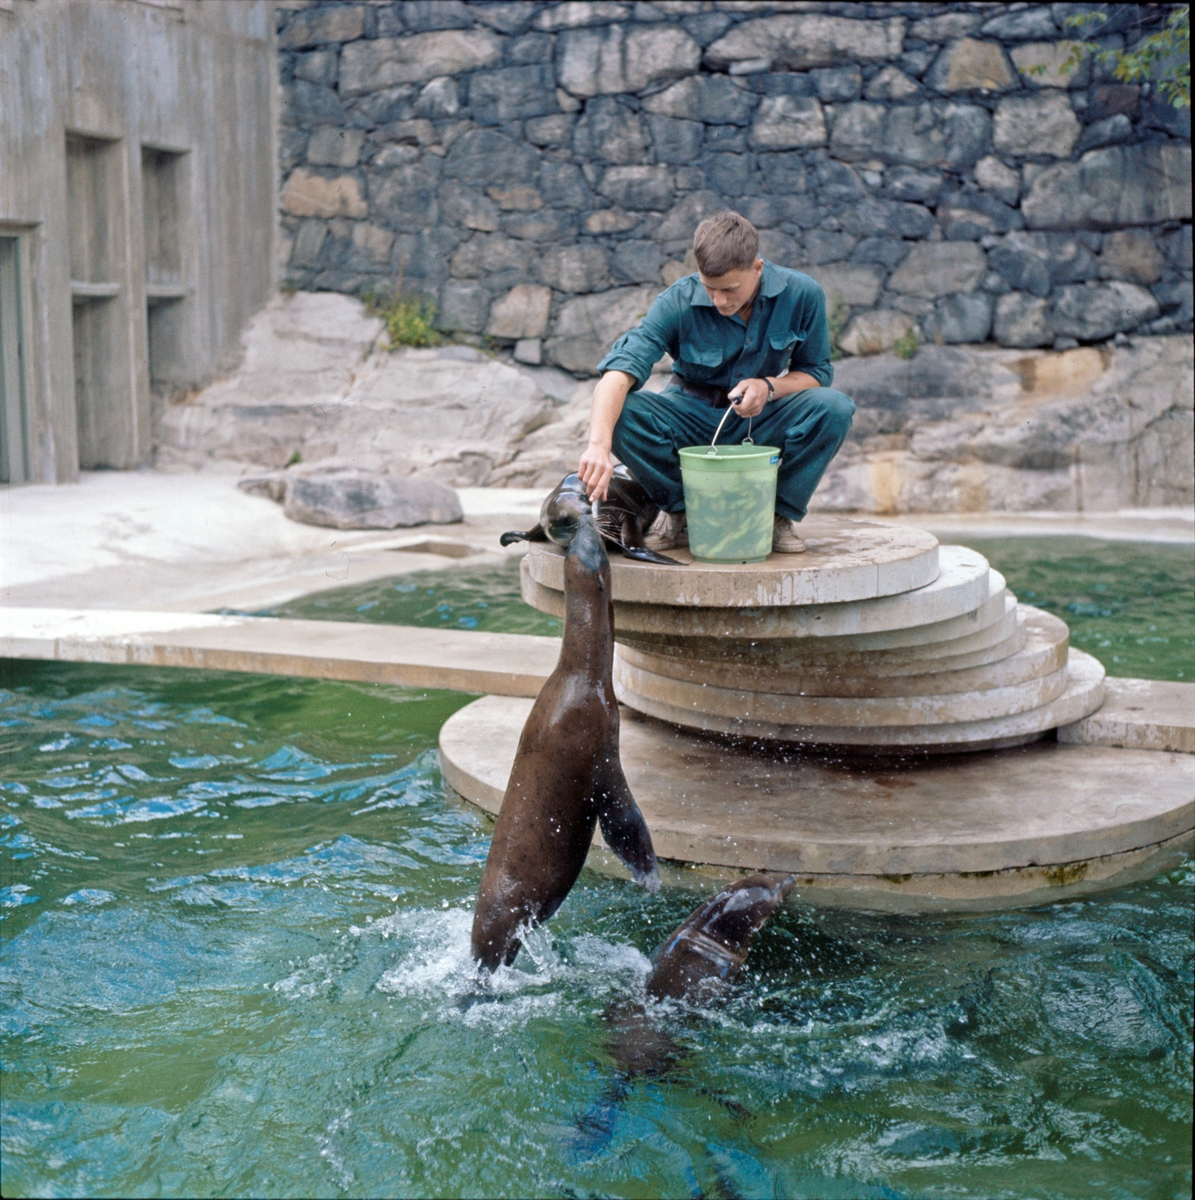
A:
x,y
567,777
623,517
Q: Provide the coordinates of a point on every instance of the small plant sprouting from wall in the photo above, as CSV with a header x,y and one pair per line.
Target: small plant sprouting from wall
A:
x,y
906,346
408,319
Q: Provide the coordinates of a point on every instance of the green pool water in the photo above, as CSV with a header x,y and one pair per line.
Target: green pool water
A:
x,y
234,916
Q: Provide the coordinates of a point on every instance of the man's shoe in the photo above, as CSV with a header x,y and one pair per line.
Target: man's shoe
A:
x,y
667,531
784,537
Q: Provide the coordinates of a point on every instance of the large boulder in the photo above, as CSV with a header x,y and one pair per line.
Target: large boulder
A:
x,y
364,500
588,326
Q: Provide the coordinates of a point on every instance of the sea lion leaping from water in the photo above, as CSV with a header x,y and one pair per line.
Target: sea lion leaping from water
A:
x,y
623,517
567,776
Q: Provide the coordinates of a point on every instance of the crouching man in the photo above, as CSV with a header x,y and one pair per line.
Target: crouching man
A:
x,y
744,333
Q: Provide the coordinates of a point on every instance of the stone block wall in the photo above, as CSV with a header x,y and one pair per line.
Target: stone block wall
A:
x,y
537,169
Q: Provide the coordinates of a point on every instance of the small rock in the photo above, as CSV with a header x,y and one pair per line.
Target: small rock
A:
x,y
788,122
1131,254
1092,312
521,313
331,147
362,500
1022,320
966,317
873,332
529,351
891,84
969,65
1109,132
1057,66
1002,181
269,487
939,268
1042,124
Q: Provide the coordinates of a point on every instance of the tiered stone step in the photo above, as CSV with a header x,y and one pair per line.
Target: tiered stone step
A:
x,y
875,637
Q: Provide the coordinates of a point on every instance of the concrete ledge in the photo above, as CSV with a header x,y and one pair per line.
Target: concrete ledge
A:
x,y
1139,714
504,664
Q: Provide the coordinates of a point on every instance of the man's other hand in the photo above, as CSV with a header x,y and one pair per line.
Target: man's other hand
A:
x,y
596,470
749,397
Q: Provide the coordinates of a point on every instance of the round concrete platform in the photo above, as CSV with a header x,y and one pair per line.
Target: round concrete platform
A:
x,y
971,831
961,584
844,560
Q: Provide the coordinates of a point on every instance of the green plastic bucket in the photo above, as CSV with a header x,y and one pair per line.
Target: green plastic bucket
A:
x,y
730,500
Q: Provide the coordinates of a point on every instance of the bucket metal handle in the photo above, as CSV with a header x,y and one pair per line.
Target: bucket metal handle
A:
x,y
712,452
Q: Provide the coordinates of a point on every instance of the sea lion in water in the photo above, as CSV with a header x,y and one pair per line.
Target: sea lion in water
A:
x,y
712,942
567,776
623,517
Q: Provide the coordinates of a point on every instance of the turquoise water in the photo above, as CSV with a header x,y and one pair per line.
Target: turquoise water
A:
x,y
234,916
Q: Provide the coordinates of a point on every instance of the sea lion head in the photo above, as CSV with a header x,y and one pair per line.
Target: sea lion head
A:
x,y
562,511
740,910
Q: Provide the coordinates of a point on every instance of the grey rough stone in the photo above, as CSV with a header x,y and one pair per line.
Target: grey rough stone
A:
x,y
1175,300
512,93
967,216
422,258
1002,181
824,247
1112,188
675,141
529,351
306,105
684,218
935,269
587,326
464,206
887,216
966,317
1022,264
380,108
888,252
310,194
934,134
1093,312
891,83
1158,113
506,16
905,183
489,254
713,99
366,66
995,284
581,268
308,243
944,27
562,185
439,99
521,313
784,174
844,283
1035,21
436,14
319,26
1177,248
834,85
389,157
319,67
1022,320
834,182
637,261
331,147
1132,255
612,59
803,40
729,138
464,306
779,248
575,13
405,198
764,212
731,174
873,332
530,48
968,65
1051,64
1036,125
363,500
788,123
1109,132
638,187
555,130
705,27
1112,99
611,131
486,157
546,225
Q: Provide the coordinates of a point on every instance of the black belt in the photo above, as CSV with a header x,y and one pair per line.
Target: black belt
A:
x,y
718,397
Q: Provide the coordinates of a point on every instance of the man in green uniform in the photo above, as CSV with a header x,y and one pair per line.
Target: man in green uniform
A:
x,y
742,332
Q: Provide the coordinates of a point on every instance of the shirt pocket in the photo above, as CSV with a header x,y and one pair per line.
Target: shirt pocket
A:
x,y
700,362
783,345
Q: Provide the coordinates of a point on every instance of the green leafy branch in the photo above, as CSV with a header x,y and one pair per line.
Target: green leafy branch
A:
x,y
1163,57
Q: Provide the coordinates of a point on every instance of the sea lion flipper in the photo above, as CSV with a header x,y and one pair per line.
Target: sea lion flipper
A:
x,y
625,831
518,535
644,555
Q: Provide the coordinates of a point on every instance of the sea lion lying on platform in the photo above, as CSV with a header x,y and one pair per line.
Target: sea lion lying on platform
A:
x,y
623,517
567,776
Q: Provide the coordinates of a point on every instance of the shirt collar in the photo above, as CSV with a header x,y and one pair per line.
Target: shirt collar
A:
x,y
770,284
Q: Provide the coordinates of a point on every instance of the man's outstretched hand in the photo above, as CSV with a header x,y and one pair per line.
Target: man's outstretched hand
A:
x,y
596,470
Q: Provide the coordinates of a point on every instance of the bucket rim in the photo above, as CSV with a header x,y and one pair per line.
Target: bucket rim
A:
x,y
731,451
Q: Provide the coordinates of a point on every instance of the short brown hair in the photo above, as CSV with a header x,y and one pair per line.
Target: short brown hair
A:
x,y
725,242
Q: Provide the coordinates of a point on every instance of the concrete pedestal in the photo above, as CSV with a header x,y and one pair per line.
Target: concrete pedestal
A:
x,y
969,831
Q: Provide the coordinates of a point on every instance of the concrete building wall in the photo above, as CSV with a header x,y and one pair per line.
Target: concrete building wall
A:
x,y
537,169
138,186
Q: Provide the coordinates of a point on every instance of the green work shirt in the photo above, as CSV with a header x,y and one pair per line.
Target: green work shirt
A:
x,y
787,331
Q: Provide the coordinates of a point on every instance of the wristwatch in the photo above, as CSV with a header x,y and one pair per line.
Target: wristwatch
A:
x,y
771,387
